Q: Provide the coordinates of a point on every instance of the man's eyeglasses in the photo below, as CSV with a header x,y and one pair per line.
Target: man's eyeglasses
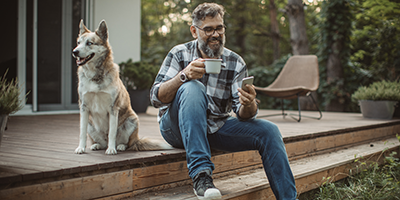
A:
x,y
210,31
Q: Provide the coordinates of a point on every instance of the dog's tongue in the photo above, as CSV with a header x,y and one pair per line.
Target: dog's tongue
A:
x,y
80,60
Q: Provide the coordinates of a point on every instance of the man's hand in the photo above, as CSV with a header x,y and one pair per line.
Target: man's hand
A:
x,y
167,90
195,69
247,99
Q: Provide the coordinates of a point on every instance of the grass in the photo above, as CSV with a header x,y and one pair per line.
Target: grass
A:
x,y
9,96
370,181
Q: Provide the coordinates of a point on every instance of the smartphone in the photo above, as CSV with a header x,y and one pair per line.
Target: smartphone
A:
x,y
247,80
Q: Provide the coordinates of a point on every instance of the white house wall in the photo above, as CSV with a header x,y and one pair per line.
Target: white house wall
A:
x,y
123,21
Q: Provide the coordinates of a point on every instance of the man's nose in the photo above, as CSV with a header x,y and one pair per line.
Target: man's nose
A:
x,y
215,34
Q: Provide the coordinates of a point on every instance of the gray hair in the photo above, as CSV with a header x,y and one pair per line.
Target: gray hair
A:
x,y
204,10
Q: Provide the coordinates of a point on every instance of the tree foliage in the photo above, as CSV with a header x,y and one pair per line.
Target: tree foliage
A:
x,y
369,29
376,39
372,50
334,53
248,28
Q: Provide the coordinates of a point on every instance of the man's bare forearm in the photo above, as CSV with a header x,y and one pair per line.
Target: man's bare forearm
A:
x,y
248,111
168,89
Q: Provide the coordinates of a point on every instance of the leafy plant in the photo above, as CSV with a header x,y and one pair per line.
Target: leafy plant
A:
x,y
382,90
335,27
9,96
376,40
138,75
368,181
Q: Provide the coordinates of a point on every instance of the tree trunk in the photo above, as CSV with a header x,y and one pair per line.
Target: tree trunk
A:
x,y
334,72
298,36
274,29
298,39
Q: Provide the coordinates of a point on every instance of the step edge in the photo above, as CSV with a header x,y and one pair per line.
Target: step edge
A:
x,y
266,185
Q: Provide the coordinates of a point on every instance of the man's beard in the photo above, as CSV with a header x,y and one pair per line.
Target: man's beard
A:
x,y
217,49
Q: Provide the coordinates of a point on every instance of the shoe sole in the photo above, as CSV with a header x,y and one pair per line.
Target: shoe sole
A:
x,y
210,194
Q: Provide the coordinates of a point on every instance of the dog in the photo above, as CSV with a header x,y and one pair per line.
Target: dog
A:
x,y
105,111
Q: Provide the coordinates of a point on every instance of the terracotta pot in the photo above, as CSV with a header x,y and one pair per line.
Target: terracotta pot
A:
x,y
3,124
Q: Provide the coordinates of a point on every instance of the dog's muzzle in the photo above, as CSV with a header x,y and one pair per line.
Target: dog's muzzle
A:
x,y
79,60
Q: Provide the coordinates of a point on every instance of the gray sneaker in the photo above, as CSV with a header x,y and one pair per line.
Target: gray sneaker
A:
x,y
204,187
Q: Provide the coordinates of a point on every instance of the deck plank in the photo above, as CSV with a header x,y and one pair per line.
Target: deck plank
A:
x,y
42,146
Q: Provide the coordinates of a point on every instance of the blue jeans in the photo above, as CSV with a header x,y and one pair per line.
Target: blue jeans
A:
x,y
184,125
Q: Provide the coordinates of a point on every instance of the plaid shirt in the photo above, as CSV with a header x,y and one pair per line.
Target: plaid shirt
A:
x,y
221,88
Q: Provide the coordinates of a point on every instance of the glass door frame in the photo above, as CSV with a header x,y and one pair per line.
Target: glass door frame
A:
x,y
66,62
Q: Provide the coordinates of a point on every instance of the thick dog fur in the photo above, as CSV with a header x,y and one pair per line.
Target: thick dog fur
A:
x,y
105,111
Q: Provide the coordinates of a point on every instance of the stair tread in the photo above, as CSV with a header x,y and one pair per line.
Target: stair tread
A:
x,y
255,179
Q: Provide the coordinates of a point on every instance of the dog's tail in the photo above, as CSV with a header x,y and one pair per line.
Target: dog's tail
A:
x,y
145,144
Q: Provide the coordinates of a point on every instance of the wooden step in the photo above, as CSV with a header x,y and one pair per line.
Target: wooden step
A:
x,y
60,174
309,173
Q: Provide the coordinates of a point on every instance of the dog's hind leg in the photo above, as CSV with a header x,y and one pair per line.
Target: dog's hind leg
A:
x,y
130,126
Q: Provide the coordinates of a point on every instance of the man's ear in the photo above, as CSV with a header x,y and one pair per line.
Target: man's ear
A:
x,y
193,30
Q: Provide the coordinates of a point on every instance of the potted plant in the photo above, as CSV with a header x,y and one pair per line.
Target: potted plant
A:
x,y
378,100
9,101
138,77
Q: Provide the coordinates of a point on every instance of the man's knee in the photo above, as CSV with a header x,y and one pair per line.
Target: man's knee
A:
x,y
270,128
192,90
189,94
193,86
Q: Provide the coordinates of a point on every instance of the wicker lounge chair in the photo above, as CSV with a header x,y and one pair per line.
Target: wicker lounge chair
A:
x,y
299,77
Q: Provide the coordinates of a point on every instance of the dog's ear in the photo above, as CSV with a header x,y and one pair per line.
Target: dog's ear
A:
x,y
102,30
82,28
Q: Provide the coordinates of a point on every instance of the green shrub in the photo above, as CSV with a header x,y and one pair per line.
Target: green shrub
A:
x,y
382,90
368,181
378,182
138,75
9,96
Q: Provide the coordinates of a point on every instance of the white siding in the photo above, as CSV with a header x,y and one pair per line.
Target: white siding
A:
x,y
123,21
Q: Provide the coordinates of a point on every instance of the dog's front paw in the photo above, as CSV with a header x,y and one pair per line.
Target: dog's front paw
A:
x,y
121,147
80,150
110,151
95,147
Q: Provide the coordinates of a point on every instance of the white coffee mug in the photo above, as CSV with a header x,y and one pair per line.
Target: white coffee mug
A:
x,y
213,66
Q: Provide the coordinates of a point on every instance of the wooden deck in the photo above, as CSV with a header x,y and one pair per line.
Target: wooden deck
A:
x,y
40,149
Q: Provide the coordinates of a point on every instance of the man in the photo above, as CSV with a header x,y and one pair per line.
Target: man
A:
x,y
195,106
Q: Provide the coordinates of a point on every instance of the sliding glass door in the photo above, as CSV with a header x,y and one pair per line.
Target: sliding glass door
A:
x,y
51,28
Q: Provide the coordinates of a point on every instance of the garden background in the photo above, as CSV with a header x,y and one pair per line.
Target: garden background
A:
x,y
356,41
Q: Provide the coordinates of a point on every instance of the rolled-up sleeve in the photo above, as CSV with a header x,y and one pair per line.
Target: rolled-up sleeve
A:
x,y
169,69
